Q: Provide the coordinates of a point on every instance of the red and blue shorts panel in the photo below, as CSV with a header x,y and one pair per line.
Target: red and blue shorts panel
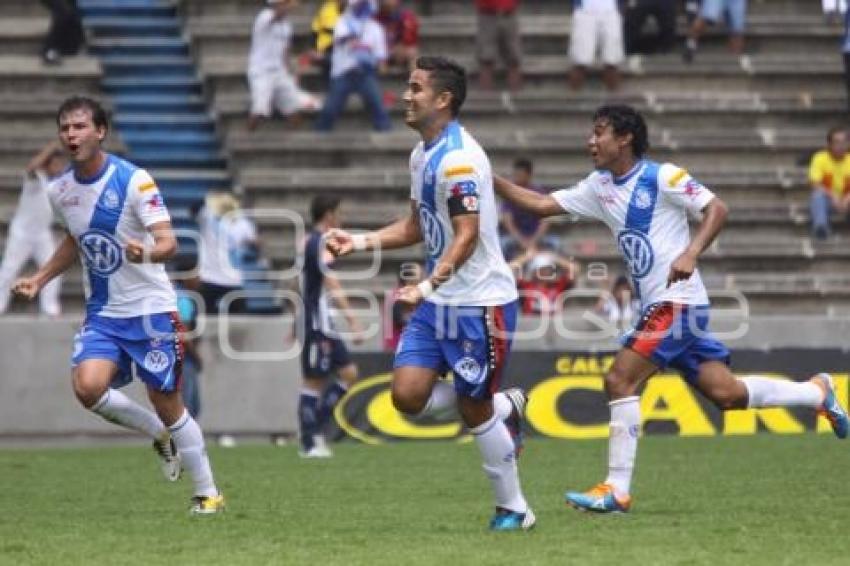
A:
x,y
676,336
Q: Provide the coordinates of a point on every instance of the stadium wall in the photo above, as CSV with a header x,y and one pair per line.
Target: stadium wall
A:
x,y
251,379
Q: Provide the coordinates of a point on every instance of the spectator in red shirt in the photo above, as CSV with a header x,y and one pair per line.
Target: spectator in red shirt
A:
x,y
542,277
401,27
498,38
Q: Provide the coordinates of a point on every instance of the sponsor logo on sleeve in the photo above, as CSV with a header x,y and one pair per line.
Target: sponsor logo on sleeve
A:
x,y
459,170
677,176
147,187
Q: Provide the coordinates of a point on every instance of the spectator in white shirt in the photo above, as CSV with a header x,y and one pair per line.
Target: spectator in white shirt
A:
x,y
360,48
272,83
225,234
29,231
596,26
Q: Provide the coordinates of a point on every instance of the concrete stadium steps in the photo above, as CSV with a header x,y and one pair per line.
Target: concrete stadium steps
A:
x,y
816,75
28,74
536,111
542,34
699,149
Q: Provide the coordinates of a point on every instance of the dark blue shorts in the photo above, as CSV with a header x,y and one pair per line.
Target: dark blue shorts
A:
x,y
151,343
322,355
676,336
472,342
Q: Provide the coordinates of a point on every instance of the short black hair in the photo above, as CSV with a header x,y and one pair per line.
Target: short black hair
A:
x,y
446,76
321,205
525,164
99,116
626,120
832,131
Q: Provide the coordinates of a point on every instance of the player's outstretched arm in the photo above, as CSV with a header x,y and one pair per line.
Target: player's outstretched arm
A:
x,y
541,205
401,233
714,217
64,256
164,247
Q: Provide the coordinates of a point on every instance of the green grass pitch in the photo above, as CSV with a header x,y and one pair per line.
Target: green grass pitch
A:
x,y
745,500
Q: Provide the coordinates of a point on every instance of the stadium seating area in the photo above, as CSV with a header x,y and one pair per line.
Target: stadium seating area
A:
x,y
743,127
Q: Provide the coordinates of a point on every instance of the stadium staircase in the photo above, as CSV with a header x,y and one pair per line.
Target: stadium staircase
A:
x,y
160,111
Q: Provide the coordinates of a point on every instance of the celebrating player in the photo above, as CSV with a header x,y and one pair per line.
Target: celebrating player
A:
x,y
467,305
117,223
646,205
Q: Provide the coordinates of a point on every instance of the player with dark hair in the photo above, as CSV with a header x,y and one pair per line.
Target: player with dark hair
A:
x,y
646,206
117,223
467,304
323,352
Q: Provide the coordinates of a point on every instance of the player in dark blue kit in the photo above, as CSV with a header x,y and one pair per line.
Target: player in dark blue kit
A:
x,y
323,352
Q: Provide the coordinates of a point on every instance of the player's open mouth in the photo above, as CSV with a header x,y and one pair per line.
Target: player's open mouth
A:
x,y
73,147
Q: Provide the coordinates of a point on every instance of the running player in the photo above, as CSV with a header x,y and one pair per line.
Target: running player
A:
x,y
468,304
646,206
322,352
117,223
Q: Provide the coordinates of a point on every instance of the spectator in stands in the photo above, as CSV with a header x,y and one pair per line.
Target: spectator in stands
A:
x,y
833,10
188,286
401,26
411,273
29,230
269,76
498,40
596,24
520,230
829,175
360,48
619,306
845,50
323,26
226,234
637,15
711,12
65,36
541,278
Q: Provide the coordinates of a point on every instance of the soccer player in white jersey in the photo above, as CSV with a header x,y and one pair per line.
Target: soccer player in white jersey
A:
x,y
117,223
467,306
646,206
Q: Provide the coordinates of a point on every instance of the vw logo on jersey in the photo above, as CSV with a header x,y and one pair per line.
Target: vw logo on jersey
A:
x,y
156,361
642,198
432,232
637,252
110,199
101,252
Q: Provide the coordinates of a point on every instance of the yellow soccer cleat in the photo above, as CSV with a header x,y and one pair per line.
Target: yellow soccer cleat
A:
x,y
207,505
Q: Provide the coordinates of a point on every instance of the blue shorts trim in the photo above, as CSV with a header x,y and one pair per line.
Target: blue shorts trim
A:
x,y
676,336
322,355
151,344
472,342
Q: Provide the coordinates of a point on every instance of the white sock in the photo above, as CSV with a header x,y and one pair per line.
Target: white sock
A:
x,y
443,399
768,392
189,441
117,408
497,451
622,443
502,406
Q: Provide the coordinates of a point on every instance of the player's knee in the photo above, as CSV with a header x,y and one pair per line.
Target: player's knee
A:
x,y
728,398
87,389
407,401
618,384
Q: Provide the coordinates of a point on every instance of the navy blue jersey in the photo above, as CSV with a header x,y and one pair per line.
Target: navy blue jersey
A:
x,y
316,312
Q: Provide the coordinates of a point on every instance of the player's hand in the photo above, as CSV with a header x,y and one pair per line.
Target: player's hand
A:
x,y
682,268
26,287
135,251
339,242
357,335
409,295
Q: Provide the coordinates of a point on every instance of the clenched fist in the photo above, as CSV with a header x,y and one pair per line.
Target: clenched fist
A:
x,y
135,251
339,242
26,287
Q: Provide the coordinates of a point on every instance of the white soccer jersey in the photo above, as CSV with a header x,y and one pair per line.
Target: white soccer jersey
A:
x,y
453,171
102,213
647,210
270,42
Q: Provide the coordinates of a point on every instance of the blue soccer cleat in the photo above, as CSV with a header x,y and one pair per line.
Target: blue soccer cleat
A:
x,y
514,422
505,520
599,499
831,408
